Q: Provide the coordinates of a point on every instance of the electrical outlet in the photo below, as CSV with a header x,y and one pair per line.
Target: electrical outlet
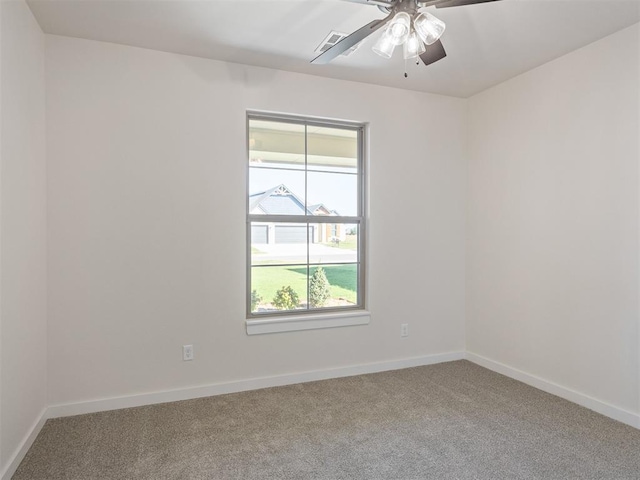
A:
x,y
187,352
404,330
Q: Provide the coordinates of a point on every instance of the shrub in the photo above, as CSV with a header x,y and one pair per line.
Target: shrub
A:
x,y
286,299
318,288
255,300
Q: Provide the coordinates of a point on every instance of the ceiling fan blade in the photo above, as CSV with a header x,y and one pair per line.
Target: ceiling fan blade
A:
x,y
381,3
460,3
347,42
433,53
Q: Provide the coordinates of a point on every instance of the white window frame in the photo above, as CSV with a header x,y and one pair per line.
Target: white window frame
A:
x,y
291,320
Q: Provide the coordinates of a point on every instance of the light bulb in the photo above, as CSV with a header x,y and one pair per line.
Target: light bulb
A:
x,y
385,45
413,46
399,28
428,27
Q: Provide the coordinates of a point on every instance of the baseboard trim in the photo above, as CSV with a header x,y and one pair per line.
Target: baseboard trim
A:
x,y
24,447
591,403
115,403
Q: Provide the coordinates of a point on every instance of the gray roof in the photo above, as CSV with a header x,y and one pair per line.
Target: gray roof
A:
x,y
280,200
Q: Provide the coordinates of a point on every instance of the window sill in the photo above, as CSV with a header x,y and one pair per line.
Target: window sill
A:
x,y
307,322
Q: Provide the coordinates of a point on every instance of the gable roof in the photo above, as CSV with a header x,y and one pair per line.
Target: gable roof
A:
x,y
280,200
320,209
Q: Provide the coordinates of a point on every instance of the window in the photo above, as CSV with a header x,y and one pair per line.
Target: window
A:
x,y
305,216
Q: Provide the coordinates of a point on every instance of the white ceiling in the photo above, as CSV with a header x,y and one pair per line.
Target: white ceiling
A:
x,y
486,43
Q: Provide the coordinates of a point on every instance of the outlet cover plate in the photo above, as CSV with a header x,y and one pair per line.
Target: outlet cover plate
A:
x,y
187,353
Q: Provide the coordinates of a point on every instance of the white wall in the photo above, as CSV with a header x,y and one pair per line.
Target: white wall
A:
x,y
552,233
146,203
23,228
638,146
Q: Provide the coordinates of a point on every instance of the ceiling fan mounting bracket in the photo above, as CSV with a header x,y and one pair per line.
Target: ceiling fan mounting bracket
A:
x,y
414,5
408,6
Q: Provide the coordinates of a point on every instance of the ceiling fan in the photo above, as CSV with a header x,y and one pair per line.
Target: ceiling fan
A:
x,y
406,24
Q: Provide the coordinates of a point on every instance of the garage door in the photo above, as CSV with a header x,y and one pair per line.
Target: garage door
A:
x,y
259,234
293,233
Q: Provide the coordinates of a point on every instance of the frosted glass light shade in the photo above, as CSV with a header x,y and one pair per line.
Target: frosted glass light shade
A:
x,y
399,28
413,46
428,27
385,44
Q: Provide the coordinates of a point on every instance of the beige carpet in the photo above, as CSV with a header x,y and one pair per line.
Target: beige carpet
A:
x,y
452,420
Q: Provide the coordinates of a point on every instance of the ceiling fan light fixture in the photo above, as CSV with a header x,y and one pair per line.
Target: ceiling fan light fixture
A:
x,y
428,27
413,47
385,44
399,28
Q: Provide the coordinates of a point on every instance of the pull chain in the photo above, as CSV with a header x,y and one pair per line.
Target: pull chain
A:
x,y
406,75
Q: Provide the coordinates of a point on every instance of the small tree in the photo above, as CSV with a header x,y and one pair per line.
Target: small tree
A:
x,y
255,299
286,299
318,288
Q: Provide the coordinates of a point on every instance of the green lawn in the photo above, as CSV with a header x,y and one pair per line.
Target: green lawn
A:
x,y
350,243
268,280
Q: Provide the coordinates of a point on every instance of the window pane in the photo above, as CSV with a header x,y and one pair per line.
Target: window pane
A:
x,y
276,144
334,243
276,192
275,288
333,286
274,243
296,168
332,194
332,149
